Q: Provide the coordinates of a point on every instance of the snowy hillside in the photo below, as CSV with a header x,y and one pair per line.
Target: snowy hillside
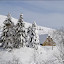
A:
x,y
2,19
41,30
26,55
33,53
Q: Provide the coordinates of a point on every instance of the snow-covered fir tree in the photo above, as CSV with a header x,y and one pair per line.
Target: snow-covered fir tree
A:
x,y
8,33
29,38
17,35
20,33
33,38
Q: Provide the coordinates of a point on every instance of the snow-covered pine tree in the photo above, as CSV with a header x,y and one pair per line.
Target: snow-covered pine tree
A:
x,y
35,35
33,38
8,33
20,33
29,38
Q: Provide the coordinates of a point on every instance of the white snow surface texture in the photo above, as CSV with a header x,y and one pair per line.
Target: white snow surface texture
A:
x,y
25,55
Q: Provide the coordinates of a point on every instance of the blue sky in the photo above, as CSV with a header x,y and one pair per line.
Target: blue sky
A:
x,y
45,13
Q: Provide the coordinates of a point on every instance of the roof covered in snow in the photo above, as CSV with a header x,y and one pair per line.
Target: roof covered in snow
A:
x,y
42,38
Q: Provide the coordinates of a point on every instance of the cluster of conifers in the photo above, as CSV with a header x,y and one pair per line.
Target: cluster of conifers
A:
x,y
15,36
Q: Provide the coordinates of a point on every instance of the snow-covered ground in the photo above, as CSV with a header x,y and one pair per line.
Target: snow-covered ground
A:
x,y
26,55
44,54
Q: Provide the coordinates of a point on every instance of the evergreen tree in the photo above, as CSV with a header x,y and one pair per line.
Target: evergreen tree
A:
x,y
20,32
8,33
29,38
33,38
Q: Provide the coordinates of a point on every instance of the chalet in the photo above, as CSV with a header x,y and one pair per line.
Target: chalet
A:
x,y
49,42
46,40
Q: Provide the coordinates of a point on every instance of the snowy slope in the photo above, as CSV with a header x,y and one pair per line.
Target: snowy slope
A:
x,y
2,19
26,55
41,30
